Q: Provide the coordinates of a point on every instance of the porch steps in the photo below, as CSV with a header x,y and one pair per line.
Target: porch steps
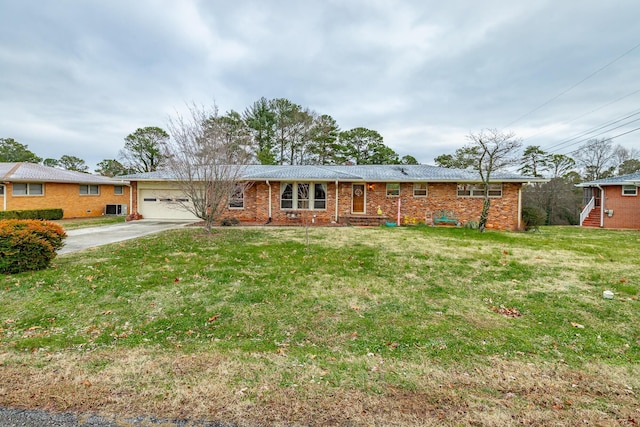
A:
x,y
593,220
365,220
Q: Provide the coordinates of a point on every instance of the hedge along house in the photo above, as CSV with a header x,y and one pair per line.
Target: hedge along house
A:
x,y
365,194
25,186
611,202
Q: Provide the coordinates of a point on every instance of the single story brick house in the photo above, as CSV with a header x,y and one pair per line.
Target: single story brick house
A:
x,y
363,194
611,202
33,186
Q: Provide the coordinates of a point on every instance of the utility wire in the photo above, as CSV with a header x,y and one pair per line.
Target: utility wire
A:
x,y
587,113
589,131
574,86
614,137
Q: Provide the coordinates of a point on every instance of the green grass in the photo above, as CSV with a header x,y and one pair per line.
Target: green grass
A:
x,y
73,223
410,296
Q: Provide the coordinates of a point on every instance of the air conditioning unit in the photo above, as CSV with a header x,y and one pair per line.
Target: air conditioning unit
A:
x,y
115,210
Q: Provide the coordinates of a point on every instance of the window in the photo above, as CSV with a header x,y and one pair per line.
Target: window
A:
x,y
495,190
92,190
478,190
1,190
420,189
303,195
28,189
236,200
286,197
149,199
118,190
393,189
629,190
320,197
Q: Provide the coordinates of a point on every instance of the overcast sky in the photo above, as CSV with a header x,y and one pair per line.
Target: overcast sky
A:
x,y
77,76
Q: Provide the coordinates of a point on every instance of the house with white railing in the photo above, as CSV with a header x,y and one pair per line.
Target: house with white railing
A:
x,y
611,202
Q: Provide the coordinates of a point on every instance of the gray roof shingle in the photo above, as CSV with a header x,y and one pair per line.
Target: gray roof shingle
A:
x,y
630,179
369,173
32,172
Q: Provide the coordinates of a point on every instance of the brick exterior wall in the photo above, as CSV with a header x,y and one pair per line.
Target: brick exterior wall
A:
x,y
503,214
626,209
67,197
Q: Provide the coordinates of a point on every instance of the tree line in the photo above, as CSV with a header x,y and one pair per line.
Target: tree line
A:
x,y
272,132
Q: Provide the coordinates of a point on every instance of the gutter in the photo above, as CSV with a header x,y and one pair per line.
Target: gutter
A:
x,y
337,202
269,185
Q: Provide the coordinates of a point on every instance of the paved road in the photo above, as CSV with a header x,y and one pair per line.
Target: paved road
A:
x,y
83,238
36,418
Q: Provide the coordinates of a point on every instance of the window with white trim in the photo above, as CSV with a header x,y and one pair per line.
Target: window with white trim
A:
x,y
89,190
27,189
419,189
629,190
1,190
320,196
118,190
303,195
478,190
393,189
236,200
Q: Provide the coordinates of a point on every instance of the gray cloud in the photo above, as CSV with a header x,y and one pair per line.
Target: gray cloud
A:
x,y
77,76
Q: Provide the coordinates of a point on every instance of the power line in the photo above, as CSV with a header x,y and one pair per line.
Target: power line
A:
x,y
574,86
588,112
614,137
595,129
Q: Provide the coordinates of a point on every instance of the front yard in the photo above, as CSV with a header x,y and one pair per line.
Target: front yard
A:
x,y
345,326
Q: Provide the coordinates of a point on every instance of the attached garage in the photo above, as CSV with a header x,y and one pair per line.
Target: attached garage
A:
x,y
163,203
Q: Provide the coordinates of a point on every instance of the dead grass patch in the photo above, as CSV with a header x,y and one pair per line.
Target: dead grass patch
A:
x,y
217,388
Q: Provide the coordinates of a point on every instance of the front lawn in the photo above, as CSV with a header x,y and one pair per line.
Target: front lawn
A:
x,y
340,326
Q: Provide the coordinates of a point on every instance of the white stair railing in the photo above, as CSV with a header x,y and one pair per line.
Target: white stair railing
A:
x,y
587,210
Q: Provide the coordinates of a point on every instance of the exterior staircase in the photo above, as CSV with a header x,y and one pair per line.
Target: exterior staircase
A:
x,y
593,220
365,220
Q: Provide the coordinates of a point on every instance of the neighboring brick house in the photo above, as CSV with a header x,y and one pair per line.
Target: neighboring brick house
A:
x,y
33,186
323,195
612,202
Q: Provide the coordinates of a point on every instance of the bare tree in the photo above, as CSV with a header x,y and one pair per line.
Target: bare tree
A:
x,y
491,151
597,157
206,163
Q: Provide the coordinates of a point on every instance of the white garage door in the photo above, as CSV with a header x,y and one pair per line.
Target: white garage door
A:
x,y
163,204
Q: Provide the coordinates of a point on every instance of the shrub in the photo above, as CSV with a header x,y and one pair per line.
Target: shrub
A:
x,y
473,225
41,214
27,245
133,217
229,221
533,217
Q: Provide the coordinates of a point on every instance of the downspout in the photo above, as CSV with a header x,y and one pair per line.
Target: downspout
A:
x,y
520,207
601,205
336,215
269,205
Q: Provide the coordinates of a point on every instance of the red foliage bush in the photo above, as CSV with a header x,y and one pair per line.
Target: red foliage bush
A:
x,y
27,245
133,217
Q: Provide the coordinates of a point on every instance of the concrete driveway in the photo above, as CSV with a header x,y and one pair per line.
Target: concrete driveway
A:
x,y
83,238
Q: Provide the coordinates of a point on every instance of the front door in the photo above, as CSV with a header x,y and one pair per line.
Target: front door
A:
x,y
357,197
